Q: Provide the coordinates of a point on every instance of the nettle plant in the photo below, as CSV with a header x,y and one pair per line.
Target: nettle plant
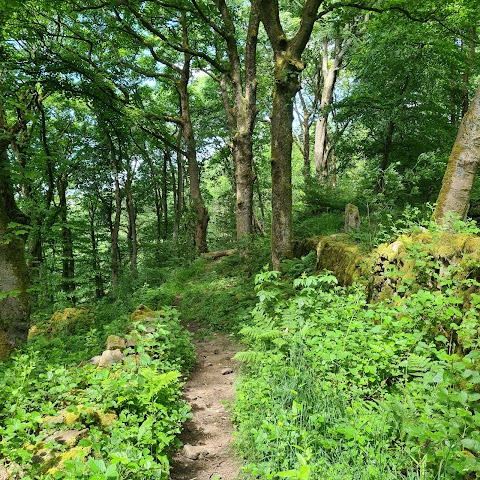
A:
x,y
335,387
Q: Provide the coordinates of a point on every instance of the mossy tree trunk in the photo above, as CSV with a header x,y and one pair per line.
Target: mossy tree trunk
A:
x,y
288,65
193,169
14,303
241,118
454,197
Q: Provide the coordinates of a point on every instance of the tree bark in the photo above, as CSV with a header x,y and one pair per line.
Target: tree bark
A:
x,y
201,213
68,260
241,118
454,197
166,160
132,222
97,272
179,194
115,224
288,65
329,79
14,301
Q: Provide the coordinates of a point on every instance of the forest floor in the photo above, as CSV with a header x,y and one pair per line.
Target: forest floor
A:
x,y
208,436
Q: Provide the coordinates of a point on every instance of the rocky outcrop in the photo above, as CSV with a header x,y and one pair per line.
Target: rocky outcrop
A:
x,y
421,260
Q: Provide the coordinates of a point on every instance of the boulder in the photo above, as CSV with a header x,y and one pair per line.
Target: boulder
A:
x,y
68,438
110,357
115,342
342,257
194,452
141,312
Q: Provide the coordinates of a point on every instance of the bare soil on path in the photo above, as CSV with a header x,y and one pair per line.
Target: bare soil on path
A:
x,y
208,436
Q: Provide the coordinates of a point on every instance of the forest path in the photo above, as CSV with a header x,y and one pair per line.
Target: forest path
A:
x,y
208,436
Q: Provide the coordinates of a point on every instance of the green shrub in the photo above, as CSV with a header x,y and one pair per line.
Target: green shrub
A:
x,y
334,388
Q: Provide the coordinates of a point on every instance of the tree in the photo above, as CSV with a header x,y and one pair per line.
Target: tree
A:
x,y
453,199
14,279
288,66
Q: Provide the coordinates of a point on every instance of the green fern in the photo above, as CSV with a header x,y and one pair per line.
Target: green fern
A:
x,y
250,356
416,366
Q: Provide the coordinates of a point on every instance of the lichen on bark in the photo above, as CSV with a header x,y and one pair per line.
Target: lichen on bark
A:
x,y
453,199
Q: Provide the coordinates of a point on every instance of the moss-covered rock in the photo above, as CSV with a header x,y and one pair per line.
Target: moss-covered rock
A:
x,y
420,259
339,255
70,454
66,320
115,342
141,312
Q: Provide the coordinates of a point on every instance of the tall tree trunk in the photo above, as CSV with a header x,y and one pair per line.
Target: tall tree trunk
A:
x,y
385,160
115,225
97,273
179,194
241,116
68,260
132,222
454,197
329,74
14,302
286,85
288,65
201,213
164,196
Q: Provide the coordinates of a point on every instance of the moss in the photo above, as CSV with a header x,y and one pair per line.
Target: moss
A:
x,y
342,258
140,313
398,263
5,345
305,246
446,245
70,454
66,320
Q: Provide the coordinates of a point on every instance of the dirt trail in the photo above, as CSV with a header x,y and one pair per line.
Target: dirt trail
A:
x,y
207,453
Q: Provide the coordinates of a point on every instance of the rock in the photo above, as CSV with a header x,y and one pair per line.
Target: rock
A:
x,y
114,342
227,371
13,471
352,218
140,313
95,360
68,455
67,437
110,357
52,420
3,473
107,419
338,254
194,452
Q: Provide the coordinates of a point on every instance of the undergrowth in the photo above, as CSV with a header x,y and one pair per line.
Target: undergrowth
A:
x,y
336,388
140,398
216,294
